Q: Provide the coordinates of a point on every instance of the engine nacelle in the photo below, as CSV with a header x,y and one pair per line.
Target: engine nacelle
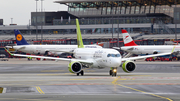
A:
x,y
74,67
128,66
155,52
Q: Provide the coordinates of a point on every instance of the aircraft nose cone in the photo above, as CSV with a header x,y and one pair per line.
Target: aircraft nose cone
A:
x,y
116,62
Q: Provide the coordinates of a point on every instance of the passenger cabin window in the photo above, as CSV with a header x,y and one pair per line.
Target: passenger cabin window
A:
x,y
113,55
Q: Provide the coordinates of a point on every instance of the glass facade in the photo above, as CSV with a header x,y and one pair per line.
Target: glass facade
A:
x,y
40,20
145,30
130,20
124,10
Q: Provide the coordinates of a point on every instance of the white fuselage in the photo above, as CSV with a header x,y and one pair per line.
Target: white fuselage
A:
x,y
101,57
150,49
41,49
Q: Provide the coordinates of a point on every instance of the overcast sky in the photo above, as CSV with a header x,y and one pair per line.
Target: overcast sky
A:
x,y
20,10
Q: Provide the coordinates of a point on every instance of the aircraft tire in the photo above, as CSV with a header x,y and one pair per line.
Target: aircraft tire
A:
x,y
110,72
82,72
77,74
114,74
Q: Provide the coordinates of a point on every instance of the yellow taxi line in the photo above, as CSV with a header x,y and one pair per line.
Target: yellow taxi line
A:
x,y
39,90
115,82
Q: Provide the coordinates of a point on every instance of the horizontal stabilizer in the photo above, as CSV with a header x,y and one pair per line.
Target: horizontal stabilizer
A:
x,y
127,48
116,48
71,52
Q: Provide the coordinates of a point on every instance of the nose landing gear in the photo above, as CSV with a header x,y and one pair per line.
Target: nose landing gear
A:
x,y
113,72
81,72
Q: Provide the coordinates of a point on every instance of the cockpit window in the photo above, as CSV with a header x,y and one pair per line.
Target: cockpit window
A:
x,y
113,55
108,55
117,55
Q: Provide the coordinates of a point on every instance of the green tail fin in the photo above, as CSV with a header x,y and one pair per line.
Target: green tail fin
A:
x,y
79,37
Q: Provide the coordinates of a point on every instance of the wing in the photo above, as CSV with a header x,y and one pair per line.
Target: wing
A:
x,y
55,58
147,56
8,46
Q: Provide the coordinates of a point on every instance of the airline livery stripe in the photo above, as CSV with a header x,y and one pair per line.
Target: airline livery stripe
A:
x,y
132,43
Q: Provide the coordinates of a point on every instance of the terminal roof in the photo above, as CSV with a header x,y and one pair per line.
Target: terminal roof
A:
x,y
114,3
79,1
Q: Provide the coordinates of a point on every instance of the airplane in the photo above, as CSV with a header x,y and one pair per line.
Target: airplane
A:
x,y
131,47
95,58
24,46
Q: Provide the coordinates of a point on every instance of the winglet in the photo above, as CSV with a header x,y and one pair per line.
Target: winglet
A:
x,y
173,49
128,41
19,38
79,37
8,52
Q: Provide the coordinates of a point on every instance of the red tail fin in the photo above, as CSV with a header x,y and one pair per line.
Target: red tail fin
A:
x,y
128,41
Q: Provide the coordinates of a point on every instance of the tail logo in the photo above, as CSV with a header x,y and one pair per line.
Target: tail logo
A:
x,y
19,37
126,36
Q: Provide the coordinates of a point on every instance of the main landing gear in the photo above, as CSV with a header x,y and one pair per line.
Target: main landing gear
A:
x,y
81,72
113,72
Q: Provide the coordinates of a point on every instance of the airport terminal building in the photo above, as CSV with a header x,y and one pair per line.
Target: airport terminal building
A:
x,y
99,18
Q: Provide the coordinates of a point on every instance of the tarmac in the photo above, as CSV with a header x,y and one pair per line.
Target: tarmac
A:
x,y
23,80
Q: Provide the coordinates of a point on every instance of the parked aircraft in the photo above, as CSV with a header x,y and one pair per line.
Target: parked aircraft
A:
x,y
24,46
131,47
95,58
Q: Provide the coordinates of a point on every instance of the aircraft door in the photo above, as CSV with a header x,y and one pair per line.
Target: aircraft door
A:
x,y
39,50
32,50
138,50
105,59
109,59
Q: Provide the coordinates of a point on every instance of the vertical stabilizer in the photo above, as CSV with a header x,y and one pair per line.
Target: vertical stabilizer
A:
x,y
19,38
79,37
128,41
